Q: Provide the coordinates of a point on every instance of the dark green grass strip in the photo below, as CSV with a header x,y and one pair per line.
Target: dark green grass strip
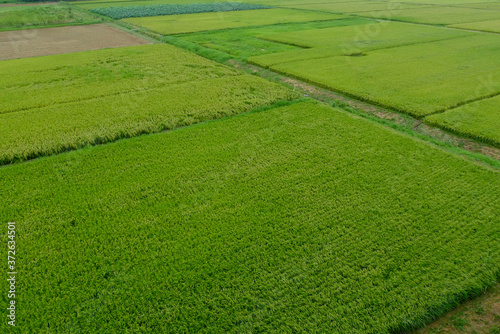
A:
x,y
297,219
173,9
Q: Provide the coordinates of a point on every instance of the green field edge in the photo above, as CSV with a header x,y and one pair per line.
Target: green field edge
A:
x,y
6,161
489,141
447,306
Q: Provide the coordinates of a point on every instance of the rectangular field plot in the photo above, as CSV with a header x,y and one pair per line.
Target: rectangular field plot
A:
x,y
180,24
351,40
488,26
417,79
112,96
435,15
244,42
354,6
480,120
23,17
30,83
292,218
52,41
482,5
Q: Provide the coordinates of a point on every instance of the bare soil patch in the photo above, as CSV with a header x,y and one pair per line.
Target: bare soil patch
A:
x,y
51,41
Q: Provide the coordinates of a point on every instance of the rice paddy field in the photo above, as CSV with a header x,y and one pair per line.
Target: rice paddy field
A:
x,y
268,166
188,23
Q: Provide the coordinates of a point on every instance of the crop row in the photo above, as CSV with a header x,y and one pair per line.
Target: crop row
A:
x,y
287,220
173,9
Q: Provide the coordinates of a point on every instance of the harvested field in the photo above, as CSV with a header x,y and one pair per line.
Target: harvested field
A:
x,y
52,41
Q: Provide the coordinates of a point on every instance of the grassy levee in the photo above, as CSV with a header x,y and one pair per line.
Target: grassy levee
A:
x,y
299,218
189,23
479,120
117,94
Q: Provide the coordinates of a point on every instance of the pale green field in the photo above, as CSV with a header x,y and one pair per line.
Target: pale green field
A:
x,y
327,42
479,120
488,26
352,7
435,15
417,79
188,23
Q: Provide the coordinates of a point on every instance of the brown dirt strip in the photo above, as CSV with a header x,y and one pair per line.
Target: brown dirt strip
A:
x,y
52,41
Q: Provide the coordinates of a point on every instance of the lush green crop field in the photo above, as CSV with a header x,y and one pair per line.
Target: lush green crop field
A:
x,y
171,9
480,120
293,219
435,15
243,42
87,75
490,26
418,79
114,94
12,18
177,24
353,39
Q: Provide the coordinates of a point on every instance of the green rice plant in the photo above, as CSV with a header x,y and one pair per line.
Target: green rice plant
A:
x,y
479,120
93,74
188,23
297,219
171,9
444,15
418,79
351,40
489,26
243,43
36,132
43,16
